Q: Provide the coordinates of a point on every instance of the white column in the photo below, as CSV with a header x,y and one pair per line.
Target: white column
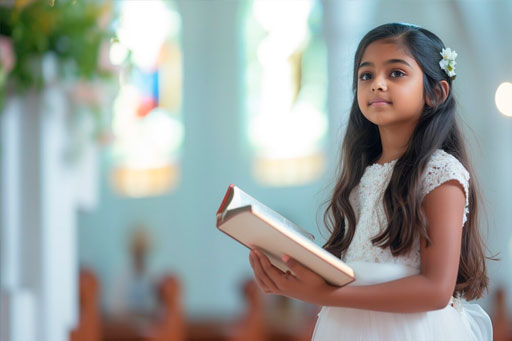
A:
x,y
17,302
58,310
41,191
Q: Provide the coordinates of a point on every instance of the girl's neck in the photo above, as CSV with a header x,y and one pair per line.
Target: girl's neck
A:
x,y
390,153
394,143
386,159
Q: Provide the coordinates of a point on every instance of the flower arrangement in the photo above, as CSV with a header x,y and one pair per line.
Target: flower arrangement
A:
x,y
73,30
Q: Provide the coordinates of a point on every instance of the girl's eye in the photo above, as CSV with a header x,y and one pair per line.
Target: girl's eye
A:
x,y
365,76
397,73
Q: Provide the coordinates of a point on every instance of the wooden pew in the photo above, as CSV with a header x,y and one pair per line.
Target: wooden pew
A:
x,y
500,320
287,325
170,323
251,326
89,326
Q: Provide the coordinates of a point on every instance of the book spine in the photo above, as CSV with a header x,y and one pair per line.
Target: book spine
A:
x,y
225,203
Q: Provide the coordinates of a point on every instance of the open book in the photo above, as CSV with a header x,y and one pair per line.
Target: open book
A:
x,y
255,225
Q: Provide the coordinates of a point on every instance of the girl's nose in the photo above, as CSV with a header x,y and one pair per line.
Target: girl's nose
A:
x,y
379,84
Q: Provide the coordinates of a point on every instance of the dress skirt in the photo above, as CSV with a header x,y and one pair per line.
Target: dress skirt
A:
x,y
459,320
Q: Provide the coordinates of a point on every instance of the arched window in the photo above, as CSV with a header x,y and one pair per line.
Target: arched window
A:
x,y
147,123
286,83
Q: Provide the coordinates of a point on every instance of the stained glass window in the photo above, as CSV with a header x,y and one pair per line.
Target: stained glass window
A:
x,y
286,83
147,123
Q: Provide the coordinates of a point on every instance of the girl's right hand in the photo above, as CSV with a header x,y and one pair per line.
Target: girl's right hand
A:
x,y
306,285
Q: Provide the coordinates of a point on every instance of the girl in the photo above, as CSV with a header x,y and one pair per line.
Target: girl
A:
x,y
403,213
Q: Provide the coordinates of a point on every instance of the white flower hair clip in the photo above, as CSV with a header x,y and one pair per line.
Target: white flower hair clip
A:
x,y
448,62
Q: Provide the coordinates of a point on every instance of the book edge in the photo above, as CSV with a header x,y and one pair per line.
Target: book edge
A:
x,y
349,272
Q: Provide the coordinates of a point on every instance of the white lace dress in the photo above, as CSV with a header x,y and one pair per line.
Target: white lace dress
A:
x,y
372,265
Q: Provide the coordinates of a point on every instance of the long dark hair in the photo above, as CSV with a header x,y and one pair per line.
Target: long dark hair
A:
x,y
437,128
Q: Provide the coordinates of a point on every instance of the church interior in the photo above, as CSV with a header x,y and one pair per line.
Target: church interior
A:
x,y
123,122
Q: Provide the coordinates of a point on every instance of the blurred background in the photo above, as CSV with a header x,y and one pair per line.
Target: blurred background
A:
x,y
124,122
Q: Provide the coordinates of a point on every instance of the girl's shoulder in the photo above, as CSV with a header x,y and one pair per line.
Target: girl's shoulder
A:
x,y
444,164
443,167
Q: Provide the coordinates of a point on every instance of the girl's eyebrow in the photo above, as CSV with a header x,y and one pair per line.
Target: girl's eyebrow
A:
x,y
390,61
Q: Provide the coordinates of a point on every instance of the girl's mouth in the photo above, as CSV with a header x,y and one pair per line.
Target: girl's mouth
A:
x,y
379,103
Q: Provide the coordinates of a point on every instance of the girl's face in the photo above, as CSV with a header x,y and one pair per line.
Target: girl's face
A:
x,y
390,85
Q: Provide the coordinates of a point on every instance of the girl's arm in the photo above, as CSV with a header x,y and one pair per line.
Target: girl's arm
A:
x,y
430,290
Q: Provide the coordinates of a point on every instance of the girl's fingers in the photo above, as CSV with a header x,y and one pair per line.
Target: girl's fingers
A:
x,y
298,269
269,267
269,275
262,286
274,274
260,283
261,274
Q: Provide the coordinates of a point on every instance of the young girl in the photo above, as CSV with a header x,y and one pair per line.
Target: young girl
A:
x,y
403,213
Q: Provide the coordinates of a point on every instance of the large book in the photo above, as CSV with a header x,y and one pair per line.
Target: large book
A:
x,y
255,225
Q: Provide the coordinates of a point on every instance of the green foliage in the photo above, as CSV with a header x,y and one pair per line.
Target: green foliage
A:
x,y
70,28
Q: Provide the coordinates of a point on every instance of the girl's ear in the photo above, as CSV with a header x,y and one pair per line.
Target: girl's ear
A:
x,y
441,90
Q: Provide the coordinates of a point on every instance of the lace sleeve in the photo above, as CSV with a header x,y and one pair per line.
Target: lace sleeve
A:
x,y
441,168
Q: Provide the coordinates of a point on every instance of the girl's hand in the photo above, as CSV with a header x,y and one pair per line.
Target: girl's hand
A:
x,y
305,285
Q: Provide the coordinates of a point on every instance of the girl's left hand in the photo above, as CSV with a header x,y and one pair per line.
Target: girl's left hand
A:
x,y
305,285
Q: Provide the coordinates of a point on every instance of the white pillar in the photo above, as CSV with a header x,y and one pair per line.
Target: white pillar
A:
x,y
59,273
17,302
40,193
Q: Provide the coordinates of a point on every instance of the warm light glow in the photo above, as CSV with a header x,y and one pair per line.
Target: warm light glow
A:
x,y
137,183
289,171
503,98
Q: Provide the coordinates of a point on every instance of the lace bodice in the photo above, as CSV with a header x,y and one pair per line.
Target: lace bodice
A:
x,y
366,199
